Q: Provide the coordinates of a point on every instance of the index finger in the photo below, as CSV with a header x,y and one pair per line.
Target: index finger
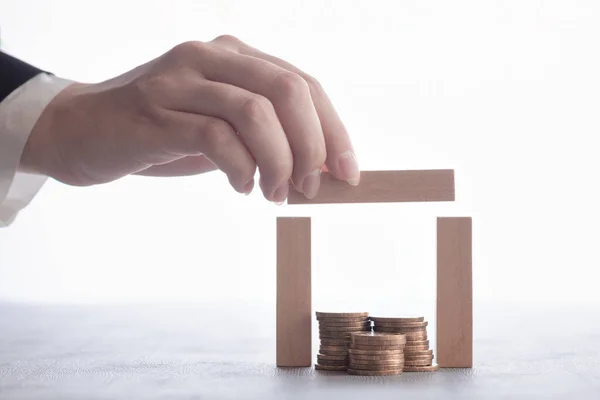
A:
x,y
341,158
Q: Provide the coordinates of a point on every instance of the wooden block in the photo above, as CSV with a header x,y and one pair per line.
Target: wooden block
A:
x,y
294,318
383,187
454,292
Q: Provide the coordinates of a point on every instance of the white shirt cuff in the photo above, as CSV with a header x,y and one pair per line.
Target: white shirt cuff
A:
x,y
18,114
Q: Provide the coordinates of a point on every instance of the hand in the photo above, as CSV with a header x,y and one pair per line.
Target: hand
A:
x,y
199,107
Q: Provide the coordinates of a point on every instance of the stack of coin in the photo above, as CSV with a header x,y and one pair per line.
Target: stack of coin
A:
x,y
418,357
334,335
376,354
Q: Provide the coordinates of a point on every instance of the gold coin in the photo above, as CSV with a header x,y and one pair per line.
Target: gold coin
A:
x,y
375,352
330,357
415,363
331,367
402,325
365,372
341,315
375,347
390,357
403,319
426,368
376,338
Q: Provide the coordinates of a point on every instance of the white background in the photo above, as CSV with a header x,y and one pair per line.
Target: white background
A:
x,y
506,93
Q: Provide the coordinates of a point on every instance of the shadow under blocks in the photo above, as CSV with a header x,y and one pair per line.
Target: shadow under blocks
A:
x,y
454,287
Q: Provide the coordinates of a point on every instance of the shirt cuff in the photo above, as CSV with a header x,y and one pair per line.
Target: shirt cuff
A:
x,y
19,112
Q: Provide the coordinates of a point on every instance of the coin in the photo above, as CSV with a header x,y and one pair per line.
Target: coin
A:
x,y
393,356
418,343
409,349
333,353
411,332
375,352
414,363
344,328
335,342
376,338
330,357
408,357
342,315
375,347
334,348
364,372
376,363
343,322
402,325
403,319
426,368
332,362
372,367
416,353
331,367
335,335
420,335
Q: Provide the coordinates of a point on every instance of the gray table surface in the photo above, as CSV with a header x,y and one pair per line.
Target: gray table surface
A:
x,y
220,352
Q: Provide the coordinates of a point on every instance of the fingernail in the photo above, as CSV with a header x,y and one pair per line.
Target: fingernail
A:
x,y
248,187
281,193
349,168
311,184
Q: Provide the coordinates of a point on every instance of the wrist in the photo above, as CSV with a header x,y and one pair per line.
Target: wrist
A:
x,y
41,154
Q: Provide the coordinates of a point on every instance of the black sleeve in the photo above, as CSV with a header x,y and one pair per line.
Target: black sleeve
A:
x,y
14,73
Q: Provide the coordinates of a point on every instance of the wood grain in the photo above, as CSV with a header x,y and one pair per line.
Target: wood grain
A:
x,y
383,187
294,329
454,292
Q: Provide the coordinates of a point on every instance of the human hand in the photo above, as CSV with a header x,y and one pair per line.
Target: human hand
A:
x,y
199,107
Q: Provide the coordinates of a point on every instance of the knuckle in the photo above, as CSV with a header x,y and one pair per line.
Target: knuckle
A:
x,y
257,109
154,84
148,92
188,49
289,84
227,39
314,85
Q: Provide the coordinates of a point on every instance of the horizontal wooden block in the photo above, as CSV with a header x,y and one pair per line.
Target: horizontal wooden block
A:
x,y
454,292
383,187
294,320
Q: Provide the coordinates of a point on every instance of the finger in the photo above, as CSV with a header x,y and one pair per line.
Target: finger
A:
x,y
217,141
341,157
290,96
186,166
253,118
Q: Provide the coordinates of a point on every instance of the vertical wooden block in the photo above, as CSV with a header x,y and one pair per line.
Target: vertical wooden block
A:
x,y
294,347
454,292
